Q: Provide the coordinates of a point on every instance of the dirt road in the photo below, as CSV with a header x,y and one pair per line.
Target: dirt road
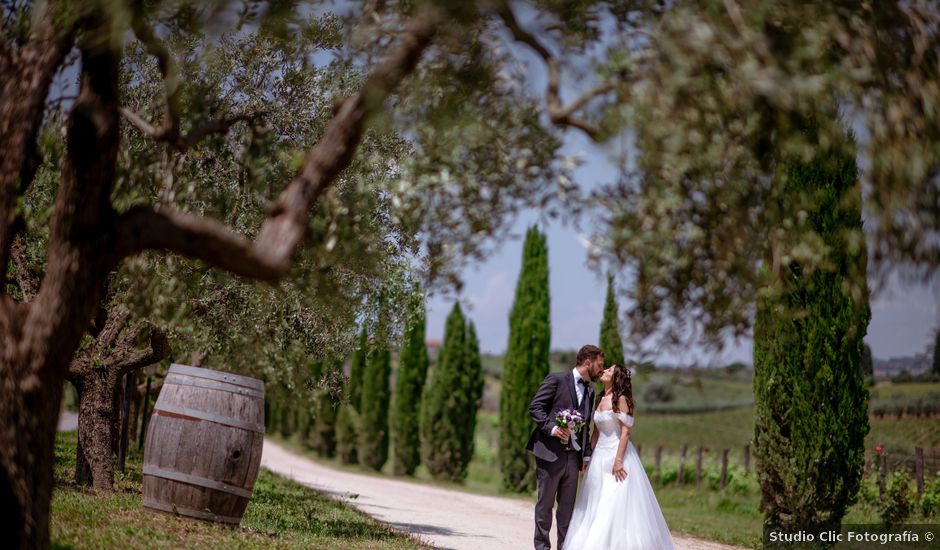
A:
x,y
443,518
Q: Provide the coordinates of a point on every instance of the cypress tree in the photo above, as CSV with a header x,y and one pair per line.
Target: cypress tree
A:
x,y
526,363
346,420
373,407
324,411
812,400
443,408
610,340
409,383
936,353
868,365
357,369
473,390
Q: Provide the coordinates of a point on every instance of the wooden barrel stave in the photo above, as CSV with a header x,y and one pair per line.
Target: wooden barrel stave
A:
x,y
197,463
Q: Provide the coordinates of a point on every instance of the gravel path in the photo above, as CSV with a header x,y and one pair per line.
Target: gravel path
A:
x,y
443,518
68,421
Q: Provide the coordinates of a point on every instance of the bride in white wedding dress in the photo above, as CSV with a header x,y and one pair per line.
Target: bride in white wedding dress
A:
x,y
616,508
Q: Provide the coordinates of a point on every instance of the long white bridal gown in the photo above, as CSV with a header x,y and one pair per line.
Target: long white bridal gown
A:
x,y
611,514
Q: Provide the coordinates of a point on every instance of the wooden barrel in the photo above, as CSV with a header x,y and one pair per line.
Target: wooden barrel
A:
x,y
204,444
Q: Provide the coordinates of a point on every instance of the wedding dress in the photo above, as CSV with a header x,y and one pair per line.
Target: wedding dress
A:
x,y
611,514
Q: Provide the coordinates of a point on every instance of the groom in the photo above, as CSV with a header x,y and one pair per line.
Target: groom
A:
x,y
557,463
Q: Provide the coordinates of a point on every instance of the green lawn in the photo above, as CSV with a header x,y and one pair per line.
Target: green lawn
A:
x,y
281,514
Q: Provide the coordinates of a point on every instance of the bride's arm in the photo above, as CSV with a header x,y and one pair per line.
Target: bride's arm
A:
x,y
619,473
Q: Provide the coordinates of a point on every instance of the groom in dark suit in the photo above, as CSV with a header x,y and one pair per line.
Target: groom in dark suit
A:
x,y
557,461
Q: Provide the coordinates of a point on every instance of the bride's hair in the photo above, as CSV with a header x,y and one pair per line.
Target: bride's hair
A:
x,y
622,385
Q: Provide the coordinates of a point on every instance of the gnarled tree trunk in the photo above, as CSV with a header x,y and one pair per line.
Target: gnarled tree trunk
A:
x,y
39,338
97,373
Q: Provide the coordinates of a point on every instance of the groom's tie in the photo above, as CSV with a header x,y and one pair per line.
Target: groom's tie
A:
x,y
583,390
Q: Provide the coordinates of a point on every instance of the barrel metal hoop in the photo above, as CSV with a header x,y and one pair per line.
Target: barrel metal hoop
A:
x,y
211,384
203,415
239,380
196,480
173,509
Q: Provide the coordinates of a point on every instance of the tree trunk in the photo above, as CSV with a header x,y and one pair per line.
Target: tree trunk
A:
x,y
28,416
94,463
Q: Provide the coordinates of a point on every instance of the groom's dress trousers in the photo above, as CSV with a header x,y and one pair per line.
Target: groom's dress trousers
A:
x,y
558,464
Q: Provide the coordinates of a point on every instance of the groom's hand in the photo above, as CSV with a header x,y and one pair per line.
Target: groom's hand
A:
x,y
561,433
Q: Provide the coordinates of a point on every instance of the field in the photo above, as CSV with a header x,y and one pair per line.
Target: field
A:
x,y
281,514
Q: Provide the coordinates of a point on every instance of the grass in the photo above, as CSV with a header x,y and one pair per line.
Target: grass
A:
x,y
281,514
719,516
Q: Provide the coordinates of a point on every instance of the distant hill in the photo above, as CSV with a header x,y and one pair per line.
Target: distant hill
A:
x,y
914,364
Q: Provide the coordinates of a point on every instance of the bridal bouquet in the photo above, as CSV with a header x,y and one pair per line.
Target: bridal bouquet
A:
x,y
573,421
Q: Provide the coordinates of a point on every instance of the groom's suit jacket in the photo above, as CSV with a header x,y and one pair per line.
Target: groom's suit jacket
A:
x,y
557,392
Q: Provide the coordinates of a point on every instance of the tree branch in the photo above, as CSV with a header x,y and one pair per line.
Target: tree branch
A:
x,y
557,113
270,255
127,358
179,142
170,130
117,320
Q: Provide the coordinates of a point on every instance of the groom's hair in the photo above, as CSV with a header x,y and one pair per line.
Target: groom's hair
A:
x,y
588,353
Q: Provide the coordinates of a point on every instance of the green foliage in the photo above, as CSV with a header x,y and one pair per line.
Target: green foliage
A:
x,y
526,363
472,388
811,398
357,369
347,424
720,89
445,405
899,500
930,501
658,392
406,404
324,409
610,339
373,407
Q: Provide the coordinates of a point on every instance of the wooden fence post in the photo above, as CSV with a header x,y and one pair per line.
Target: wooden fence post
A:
x,y
125,413
143,416
747,457
919,471
681,465
882,472
724,467
659,458
698,466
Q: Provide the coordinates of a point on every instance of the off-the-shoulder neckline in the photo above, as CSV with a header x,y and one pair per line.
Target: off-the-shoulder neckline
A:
x,y
609,411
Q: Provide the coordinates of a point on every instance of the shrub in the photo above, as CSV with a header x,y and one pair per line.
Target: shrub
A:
x,y
346,434
899,499
930,501
658,392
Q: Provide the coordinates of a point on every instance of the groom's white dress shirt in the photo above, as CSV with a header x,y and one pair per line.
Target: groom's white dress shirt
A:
x,y
578,387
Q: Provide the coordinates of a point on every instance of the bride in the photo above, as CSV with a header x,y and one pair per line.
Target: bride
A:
x,y
616,508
